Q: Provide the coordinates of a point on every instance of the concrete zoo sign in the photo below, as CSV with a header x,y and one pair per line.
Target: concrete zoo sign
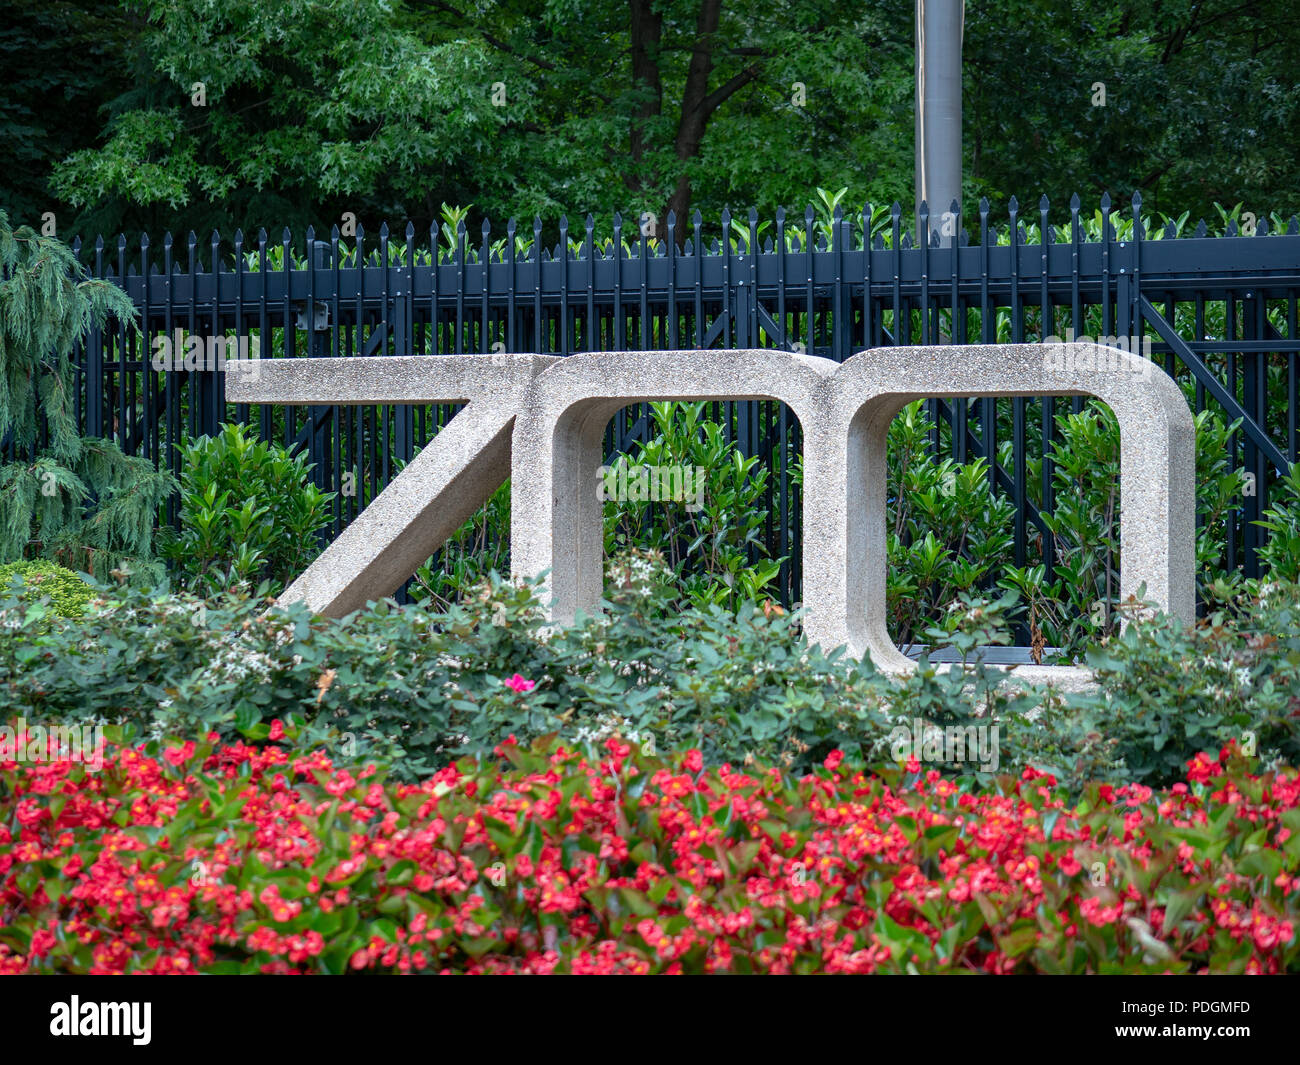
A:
x,y
540,421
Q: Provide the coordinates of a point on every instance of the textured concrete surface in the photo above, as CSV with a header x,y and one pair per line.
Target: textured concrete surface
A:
x,y
844,579
555,513
542,420
845,412
439,489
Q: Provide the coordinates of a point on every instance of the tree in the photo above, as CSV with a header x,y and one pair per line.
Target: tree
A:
x,y
662,105
289,112
273,112
278,112
1188,101
77,501
64,62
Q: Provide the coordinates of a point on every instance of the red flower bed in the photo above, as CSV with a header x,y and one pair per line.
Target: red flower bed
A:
x,y
246,859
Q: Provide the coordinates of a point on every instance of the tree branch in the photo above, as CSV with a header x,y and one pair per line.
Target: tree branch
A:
x,y
489,38
718,96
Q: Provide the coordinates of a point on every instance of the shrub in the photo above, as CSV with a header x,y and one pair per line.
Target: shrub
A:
x,y
186,858
72,499
1080,605
1280,556
248,512
717,552
425,686
421,687
67,591
948,534
1167,691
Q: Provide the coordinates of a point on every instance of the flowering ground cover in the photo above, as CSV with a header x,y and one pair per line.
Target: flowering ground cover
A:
x,y
197,857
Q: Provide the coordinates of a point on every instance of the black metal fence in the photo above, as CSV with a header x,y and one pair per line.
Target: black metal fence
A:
x,y
1221,312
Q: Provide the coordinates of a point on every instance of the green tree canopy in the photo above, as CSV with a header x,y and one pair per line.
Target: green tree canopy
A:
x,y
275,112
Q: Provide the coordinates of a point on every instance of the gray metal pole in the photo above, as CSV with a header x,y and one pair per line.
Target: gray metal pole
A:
x,y
939,29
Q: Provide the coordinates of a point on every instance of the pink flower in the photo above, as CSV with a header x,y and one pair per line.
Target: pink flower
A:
x,y
694,760
519,684
43,941
277,729
834,759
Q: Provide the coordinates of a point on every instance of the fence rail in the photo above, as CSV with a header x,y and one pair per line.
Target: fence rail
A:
x,y
1220,313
